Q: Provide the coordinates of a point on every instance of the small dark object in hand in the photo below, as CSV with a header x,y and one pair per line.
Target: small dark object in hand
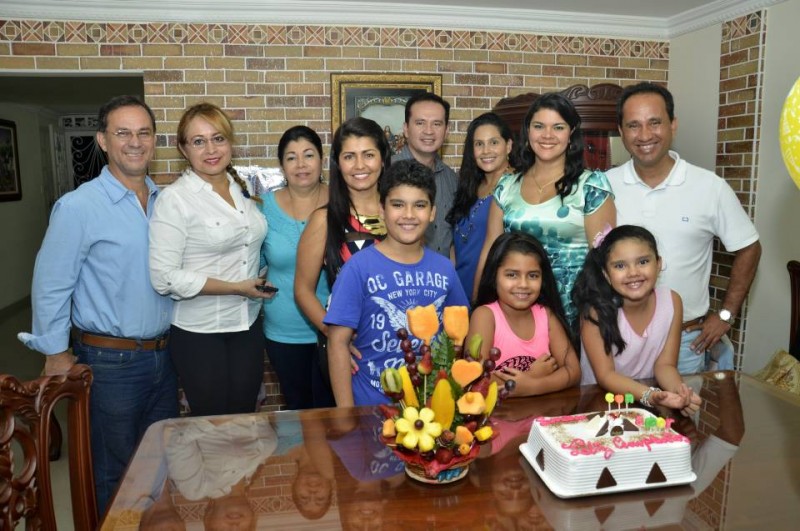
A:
x,y
267,289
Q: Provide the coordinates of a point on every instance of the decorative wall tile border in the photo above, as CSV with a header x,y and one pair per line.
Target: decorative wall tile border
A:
x,y
741,74
30,31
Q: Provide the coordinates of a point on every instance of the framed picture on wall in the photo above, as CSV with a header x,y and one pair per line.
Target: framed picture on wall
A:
x,y
379,97
10,187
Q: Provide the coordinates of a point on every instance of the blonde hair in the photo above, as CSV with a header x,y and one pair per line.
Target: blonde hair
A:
x,y
220,121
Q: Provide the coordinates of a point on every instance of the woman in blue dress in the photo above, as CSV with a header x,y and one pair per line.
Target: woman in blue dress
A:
x,y
291,337
553,197
485,160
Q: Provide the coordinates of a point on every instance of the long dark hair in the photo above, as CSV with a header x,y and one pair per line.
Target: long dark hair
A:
x,y
573,166
523,243
593,291
339,202
470,176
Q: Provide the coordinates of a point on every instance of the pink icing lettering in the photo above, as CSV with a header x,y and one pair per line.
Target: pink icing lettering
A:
x,y
581,447
549,421
648,441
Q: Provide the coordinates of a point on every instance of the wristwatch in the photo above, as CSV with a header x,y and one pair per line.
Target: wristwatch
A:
x,y
725,316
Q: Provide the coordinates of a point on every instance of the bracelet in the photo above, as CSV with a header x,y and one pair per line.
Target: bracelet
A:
x,y
645,400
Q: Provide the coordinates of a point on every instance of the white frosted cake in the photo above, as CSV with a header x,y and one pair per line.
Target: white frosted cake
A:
x,y
607,451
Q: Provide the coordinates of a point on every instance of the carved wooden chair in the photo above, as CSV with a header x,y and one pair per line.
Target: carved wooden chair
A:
x,y
26,410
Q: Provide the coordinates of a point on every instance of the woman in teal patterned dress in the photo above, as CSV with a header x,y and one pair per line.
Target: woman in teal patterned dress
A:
x,y
553,197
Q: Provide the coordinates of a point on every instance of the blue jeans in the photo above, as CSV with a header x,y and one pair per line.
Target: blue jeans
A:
x,y
690,362
131,390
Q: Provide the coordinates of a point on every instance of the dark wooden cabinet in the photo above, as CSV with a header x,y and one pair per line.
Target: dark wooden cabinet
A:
x,y
597,107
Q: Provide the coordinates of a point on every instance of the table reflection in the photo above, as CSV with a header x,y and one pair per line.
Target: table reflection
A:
x,y
326,469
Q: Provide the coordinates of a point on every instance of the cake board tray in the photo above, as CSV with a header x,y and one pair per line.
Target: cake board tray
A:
x,y
528,453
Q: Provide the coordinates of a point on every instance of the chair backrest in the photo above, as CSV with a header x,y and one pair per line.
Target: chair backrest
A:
x,y
26,410
794,281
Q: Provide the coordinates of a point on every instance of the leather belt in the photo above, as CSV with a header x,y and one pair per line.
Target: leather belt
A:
x,y
693,322
119,343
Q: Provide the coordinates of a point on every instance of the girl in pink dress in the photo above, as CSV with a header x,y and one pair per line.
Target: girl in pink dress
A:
x,y
519,308
630,329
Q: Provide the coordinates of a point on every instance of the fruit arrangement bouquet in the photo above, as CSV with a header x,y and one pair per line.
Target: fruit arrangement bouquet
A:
x,y
443,396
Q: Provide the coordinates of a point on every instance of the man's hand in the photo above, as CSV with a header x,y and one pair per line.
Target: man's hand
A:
x,y
59,363
713,328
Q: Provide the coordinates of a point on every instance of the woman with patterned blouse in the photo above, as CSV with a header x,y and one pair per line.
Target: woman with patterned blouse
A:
x,y
351,220
553,197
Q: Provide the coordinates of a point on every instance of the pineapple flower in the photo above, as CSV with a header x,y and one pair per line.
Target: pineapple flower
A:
x,y
416,429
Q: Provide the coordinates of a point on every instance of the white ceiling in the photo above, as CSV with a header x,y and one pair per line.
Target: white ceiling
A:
x,y
650,19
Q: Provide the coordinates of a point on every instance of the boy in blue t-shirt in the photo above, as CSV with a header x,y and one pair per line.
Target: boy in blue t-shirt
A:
x,y
376,286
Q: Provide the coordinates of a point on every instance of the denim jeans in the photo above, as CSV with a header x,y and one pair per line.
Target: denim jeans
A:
x,y
718,358
131,390
689,361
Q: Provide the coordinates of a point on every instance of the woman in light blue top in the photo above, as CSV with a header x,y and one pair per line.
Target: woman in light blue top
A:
x,y
291,338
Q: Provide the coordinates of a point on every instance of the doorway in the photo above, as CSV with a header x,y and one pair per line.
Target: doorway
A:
x,y
65,107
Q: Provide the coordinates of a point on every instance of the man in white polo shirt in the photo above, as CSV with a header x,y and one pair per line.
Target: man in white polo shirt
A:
x,y
685,207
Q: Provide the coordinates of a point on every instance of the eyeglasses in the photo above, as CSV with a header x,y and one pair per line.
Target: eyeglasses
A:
x,y
125,135
200,142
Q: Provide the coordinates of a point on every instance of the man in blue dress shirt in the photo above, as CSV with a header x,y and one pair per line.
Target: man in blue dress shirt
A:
x,y
91,282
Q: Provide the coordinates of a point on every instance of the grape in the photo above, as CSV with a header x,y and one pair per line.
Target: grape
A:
x,y
494,353
488,365
424,349
416,379
444,455
458,350
510,385
410,357
412,369
402,333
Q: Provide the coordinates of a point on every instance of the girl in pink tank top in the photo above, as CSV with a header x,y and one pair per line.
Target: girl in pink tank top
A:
x,y
630,329
519,308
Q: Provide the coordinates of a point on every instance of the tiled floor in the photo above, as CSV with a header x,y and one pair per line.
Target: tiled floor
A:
x,y
26,364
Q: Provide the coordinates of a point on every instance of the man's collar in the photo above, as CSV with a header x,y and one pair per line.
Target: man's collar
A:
x,y
437,160
116,190
675,177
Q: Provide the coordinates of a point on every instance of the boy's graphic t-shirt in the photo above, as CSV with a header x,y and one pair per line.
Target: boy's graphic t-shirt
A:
x,y
371,296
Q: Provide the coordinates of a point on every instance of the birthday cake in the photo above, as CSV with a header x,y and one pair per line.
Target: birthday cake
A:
x,y
607,451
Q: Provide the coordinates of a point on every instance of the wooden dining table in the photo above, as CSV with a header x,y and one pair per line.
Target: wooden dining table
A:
x,y
327,469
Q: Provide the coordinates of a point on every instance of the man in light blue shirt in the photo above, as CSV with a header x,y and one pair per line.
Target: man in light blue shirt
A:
x,y
91,282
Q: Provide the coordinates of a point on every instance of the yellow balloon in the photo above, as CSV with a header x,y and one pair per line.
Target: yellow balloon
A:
x,y
790,132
